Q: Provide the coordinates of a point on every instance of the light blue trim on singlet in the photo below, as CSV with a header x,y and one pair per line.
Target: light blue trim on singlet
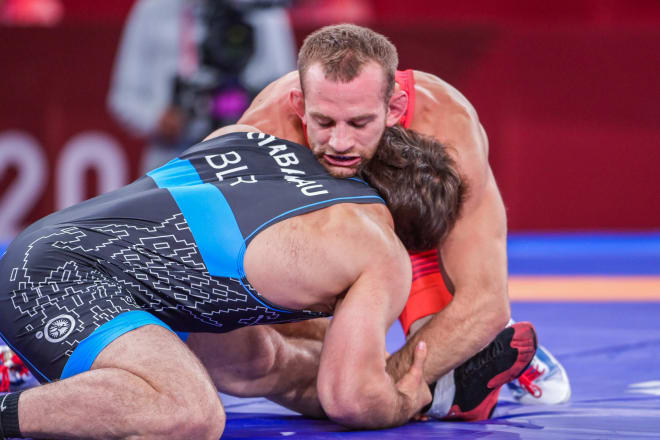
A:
x,y
176,172
85,353
256,298
211,220
203,204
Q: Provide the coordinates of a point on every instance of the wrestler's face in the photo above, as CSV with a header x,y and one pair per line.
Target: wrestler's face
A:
x,y
345,120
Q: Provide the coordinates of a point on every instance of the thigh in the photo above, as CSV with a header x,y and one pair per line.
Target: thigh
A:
x,y
158,355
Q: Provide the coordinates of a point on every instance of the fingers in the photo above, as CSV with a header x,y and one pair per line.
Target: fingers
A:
x,y
419,357
420,418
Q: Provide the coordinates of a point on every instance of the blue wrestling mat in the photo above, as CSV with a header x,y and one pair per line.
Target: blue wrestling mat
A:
x,y
609,345
611,352
610,349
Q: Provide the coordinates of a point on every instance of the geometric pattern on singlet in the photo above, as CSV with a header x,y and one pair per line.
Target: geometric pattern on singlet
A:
x,y
157,278
172,242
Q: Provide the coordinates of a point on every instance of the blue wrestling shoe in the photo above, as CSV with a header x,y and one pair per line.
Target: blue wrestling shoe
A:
x,y
544,382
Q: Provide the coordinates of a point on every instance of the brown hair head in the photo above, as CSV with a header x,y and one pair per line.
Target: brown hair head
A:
x,y
420,184
343,49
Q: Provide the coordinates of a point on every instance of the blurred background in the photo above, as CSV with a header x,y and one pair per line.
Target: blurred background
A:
x,y
91,93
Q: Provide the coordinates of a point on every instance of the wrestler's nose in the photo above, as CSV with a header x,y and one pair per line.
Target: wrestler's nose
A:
x,y
341,140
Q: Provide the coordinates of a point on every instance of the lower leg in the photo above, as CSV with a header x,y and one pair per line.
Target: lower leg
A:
x,y
105,403
145,384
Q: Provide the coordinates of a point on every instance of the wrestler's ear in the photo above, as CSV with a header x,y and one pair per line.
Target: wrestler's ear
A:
x,y
297,102
396,107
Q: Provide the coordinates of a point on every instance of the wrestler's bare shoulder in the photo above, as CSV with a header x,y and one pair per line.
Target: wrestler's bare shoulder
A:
x,y
435,97
311,259
434,89
271,112
278,90
443,112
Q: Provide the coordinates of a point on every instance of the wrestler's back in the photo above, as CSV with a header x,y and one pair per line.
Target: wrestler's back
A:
x,y
308,261
191,220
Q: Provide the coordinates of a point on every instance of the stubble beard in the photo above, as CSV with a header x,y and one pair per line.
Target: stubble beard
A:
x,y
345,172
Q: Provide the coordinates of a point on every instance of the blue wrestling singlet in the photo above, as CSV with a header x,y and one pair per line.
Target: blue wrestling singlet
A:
x,y
167,250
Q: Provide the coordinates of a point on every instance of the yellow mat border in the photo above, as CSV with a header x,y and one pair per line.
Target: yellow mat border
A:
x,y
584,288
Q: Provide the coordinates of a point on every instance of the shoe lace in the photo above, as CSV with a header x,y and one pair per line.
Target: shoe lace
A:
x,y
527,380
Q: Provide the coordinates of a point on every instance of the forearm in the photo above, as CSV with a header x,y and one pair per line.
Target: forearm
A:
x,y
377,403
474,256
294,377
298,359
258,361
454,334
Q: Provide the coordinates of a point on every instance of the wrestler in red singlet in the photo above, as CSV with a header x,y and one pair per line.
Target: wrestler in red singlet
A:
x,y
430,291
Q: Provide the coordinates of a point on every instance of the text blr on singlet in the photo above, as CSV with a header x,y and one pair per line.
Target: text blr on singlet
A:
x,y
165,250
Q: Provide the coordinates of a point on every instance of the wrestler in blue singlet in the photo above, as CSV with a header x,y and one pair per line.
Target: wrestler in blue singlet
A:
x,y
167,250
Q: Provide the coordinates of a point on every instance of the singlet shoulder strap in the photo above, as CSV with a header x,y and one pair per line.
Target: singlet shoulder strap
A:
x,y
406,81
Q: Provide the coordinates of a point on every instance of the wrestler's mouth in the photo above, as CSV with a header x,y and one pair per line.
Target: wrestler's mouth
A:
x,y
341,161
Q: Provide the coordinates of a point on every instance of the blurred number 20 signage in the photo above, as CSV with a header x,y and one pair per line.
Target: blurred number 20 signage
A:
x,y
62,179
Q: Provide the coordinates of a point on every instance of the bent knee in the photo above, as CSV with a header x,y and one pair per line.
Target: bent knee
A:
x,y
203,419
209,426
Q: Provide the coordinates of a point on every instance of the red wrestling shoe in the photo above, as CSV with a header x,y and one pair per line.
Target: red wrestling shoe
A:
x,y
480,379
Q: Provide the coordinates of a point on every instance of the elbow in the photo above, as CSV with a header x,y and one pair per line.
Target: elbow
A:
x,y
342,405
348,412
353,407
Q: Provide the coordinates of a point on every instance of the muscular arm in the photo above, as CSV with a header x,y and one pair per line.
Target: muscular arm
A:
x,y
474,253
353,385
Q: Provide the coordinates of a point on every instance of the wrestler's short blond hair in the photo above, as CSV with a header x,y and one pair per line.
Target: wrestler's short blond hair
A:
x,y
343,49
